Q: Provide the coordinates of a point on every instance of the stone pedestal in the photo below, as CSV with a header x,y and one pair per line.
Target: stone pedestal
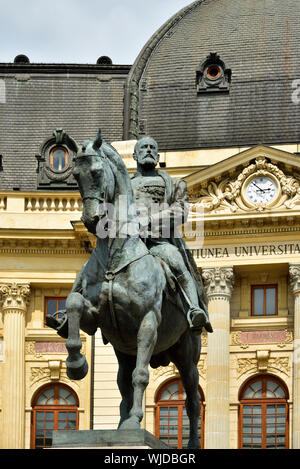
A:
x,y
218,284
14,298
294,271
106,439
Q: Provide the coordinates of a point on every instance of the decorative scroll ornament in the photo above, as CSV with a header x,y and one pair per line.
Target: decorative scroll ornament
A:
x,y
263,363
218,282
14,296
227,194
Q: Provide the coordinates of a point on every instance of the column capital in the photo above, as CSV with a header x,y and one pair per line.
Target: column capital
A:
x,y
14,296
294,271
218,282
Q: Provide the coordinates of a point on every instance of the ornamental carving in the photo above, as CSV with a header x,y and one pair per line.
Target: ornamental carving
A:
x,y
53,372
263,363
171,370
281,364
244,339
48,176
226,194
165,371
14,296
218,282
294,271
245,364
39,373
36,350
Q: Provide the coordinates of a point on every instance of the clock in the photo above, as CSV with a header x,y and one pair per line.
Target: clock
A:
x,y
261,190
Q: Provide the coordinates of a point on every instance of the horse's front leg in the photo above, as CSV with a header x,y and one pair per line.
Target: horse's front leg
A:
x,y
77,366
146,340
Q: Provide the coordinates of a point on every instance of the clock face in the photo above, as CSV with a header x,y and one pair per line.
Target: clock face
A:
x,y
261,189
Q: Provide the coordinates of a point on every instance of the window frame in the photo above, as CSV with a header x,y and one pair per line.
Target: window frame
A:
x,y
58,147
55,408
263,402
46,298
179,404
264,288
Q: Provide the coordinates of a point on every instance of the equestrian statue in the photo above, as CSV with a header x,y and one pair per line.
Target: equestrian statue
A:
x,y
141,285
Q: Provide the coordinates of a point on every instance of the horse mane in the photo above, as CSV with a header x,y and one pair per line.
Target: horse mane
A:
x,y
111,153
118,166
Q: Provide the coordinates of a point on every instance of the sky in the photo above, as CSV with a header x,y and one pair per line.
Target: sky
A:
x,y
80,31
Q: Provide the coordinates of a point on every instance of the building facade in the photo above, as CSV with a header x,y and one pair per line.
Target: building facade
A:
x,y
217,87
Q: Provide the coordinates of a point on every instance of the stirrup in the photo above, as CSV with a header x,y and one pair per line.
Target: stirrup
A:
x,y
199,320
60,324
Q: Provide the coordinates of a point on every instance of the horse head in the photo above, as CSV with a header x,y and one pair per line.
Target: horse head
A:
x,y
91,175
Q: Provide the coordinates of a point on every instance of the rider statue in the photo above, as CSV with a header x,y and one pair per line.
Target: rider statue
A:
x,y
162,204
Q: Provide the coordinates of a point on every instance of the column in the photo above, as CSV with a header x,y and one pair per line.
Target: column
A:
x,y
14,298
294,271
218,284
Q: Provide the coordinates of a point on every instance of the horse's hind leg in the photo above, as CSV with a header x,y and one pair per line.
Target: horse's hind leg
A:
x,y
77,366
146,341
182,357
124,380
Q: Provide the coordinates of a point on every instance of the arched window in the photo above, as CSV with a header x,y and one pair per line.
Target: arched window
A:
x,y
55,407
58,158
171,420
264,414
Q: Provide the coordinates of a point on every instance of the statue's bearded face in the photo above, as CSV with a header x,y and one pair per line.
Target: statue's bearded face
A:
x,y
146,152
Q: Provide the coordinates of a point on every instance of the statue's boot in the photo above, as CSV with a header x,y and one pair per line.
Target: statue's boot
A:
x,y
196,316
59,322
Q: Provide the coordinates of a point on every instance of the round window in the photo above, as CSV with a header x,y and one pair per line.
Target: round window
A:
x,y
213,72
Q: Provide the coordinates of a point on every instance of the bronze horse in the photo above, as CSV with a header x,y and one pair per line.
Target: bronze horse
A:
x,y
123,290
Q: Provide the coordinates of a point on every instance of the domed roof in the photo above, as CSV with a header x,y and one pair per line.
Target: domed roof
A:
x,y
258,44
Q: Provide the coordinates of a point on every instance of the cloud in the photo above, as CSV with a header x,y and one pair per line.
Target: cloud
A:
x,y
80,31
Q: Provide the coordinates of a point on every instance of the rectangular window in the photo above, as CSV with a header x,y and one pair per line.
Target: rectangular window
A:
x,y
54,304
264,300
264,426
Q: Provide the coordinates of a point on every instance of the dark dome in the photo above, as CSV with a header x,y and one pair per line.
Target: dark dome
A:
x,y
21,59
104,60
257,40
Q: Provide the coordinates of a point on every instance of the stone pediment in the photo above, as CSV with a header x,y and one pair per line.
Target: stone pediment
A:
x,y
258,180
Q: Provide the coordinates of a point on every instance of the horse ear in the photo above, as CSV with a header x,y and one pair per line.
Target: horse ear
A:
x,y
98,141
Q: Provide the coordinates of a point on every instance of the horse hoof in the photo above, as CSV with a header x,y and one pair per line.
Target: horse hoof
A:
x,y
132,423
77,369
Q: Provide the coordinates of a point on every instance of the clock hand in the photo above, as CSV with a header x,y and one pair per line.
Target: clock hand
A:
x,y
257,187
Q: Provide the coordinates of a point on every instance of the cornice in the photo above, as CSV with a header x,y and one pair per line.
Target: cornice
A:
x,y
33,68
76,241
261,323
